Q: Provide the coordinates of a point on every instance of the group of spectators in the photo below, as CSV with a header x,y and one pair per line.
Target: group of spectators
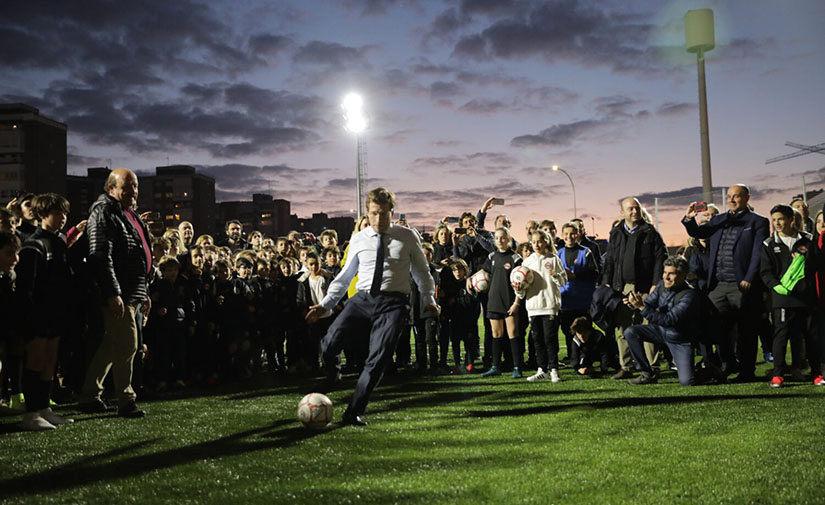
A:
x,y
170,311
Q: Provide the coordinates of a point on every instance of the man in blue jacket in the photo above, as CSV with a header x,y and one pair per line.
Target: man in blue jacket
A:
x,y
736,238
672,314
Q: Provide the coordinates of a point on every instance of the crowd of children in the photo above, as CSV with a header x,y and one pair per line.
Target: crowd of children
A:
x,y
227,311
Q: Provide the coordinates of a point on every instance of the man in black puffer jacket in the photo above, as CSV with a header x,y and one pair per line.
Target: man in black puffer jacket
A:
x,y
634,261
120,258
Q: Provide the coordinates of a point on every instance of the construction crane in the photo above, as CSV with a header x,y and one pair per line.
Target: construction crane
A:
x,y
803,150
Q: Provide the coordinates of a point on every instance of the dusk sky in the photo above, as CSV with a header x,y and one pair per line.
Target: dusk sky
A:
x,y
466,99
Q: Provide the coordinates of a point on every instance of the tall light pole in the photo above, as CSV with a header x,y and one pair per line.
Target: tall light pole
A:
x,y
557,168
356,122
699,39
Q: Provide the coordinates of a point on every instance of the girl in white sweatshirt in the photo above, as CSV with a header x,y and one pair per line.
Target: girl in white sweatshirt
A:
x,y
543,303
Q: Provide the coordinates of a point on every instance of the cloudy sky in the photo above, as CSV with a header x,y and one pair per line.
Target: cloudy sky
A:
x,y
467,99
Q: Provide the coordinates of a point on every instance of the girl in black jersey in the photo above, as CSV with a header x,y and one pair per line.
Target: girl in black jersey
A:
x,y
502,302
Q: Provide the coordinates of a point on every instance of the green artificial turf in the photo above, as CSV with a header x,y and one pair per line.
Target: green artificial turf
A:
x,y
450,439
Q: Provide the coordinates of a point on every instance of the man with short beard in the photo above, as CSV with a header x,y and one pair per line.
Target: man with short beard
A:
x,y
234,237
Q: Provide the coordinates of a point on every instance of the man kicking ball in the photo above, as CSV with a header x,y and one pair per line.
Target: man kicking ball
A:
x,y
383,255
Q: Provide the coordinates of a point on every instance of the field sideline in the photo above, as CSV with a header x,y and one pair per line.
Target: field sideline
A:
x,y
451,439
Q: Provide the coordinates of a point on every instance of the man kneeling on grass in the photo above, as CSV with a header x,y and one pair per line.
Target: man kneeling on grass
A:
x,y
672,311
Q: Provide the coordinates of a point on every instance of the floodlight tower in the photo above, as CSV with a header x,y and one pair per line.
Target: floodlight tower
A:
x,y
356,122
699,39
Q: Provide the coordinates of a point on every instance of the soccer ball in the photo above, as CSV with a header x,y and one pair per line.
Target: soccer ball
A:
x,y
521,274
480,281
315,410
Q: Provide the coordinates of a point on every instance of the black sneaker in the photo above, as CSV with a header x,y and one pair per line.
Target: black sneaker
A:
x,y
643,378
95,406
130,411
352,420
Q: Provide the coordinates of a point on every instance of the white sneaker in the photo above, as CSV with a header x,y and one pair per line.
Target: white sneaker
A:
x,y
538,376
32,421
53,418
554,376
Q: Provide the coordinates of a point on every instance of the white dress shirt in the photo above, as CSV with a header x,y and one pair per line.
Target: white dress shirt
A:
x,y
402,256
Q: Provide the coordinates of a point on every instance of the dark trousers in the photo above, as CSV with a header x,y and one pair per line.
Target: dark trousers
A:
x,y
428,341
682,352
740,311
314,335
546,337
788,324
464,328
565,319
387,314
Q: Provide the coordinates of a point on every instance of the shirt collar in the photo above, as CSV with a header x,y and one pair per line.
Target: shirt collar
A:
x,y
629,229
370,231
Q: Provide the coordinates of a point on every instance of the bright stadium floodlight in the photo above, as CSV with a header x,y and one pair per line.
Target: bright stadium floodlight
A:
x,y
356,122
353,105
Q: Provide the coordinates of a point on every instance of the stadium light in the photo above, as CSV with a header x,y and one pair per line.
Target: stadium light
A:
x,y
353,105
557,168
355,121
699,39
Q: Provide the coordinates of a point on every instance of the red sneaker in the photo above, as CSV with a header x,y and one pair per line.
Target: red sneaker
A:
x,y
470,367
776,382
819,381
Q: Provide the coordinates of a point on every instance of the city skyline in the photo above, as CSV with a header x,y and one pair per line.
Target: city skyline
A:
x,y
467,99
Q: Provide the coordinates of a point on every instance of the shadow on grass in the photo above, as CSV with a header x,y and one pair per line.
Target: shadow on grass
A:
x,y
97,468
620,402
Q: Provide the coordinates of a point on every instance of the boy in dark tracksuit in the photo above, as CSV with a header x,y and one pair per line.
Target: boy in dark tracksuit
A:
x,y
44,283
587,346
232,315
788,269
582,274
425,326
173,311
458,314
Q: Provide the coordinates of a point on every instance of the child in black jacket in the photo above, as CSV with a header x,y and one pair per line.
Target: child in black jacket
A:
x,y
172,322
788,269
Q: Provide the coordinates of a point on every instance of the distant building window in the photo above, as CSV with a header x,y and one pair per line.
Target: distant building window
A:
x,y
264,216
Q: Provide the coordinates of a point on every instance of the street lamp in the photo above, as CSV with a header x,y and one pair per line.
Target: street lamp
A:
x,y
699,39
356,122
557,168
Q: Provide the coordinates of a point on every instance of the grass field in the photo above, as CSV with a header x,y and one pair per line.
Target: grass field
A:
x,y
453,439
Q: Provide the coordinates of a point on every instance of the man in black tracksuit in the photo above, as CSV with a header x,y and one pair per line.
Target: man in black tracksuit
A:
x,y
634,261
787,268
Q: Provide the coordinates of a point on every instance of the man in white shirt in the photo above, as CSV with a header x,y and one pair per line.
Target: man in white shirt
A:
x,y
383,256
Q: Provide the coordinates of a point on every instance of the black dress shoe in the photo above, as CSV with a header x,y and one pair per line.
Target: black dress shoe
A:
x,y
130,411
353,420
743,378
95,406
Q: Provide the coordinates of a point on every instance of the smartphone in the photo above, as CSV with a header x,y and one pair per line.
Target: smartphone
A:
x,y
461,231
701,207
452,219
498,201
403,217
154,216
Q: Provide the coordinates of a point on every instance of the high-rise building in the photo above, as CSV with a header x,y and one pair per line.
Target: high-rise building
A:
x,y
264,213
178,193
321,221
32,152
